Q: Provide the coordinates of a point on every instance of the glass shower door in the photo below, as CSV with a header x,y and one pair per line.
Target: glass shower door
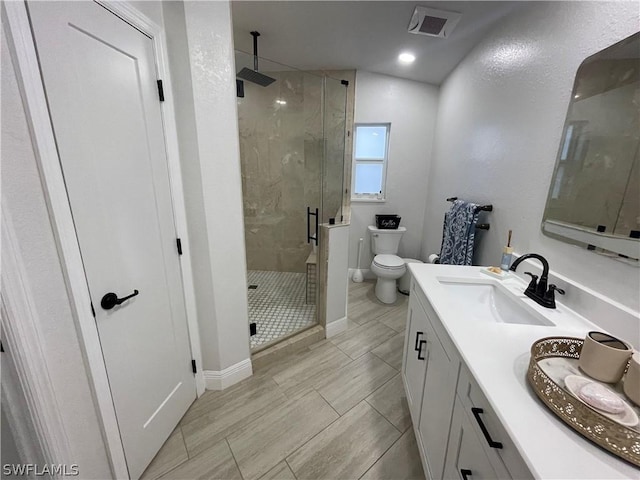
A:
x,y
282,151
334,118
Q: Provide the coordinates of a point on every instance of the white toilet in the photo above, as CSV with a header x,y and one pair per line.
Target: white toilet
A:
x,y
386,265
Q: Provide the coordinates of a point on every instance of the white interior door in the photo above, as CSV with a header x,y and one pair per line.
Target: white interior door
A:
x,y
100,79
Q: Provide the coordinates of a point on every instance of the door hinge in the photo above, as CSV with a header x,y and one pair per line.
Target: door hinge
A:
x,y
194,369
160,91
179,245
93,310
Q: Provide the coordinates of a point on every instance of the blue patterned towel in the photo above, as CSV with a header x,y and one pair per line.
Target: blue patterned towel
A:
x,y
459,233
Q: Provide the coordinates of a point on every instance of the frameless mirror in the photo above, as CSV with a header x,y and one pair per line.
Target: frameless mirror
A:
x,y
594,196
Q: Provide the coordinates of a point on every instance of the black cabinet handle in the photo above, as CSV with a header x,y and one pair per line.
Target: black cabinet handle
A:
x,y
110,299
417,340
420,343
465,474
476,413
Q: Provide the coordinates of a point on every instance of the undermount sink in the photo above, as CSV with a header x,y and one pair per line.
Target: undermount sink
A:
x,y
492,302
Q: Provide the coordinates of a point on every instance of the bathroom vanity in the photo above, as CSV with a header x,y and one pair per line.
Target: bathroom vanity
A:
x,y
465,360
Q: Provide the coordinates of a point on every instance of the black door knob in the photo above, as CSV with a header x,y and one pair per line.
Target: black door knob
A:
x,y
110,299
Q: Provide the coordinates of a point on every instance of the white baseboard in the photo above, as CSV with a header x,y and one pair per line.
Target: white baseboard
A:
x,y
219,380
336,327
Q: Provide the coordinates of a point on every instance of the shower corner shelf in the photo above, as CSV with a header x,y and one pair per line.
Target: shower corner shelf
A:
x,y
311,263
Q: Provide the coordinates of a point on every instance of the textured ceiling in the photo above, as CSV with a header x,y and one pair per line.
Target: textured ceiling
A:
x,y
316,35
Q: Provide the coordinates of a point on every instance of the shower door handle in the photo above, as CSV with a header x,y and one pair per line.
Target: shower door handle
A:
x,y
314,237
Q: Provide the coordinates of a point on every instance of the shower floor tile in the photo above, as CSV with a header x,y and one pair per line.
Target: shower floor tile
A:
x,y
277,305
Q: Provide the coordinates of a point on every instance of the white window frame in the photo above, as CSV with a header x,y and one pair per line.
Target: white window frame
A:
x,y
370,197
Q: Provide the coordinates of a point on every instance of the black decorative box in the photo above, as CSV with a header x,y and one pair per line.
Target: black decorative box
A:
x,y
388,222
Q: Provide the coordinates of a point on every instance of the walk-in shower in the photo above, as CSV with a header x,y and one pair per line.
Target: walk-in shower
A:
x,y
292,146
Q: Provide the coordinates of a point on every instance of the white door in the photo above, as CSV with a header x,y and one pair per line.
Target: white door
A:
x,y
101,84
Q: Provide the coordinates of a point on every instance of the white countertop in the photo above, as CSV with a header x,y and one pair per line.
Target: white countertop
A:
x,y
497,355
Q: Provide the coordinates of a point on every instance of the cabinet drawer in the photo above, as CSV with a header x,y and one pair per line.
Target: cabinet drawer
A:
x,y
466,459
495,440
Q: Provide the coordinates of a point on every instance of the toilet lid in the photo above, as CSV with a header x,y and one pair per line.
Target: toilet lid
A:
x,y
388,261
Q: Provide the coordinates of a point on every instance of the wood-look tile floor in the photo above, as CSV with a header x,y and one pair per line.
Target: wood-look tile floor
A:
x,y
333,410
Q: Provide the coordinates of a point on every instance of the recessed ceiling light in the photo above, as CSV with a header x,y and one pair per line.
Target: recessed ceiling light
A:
x,y
406,57
281,102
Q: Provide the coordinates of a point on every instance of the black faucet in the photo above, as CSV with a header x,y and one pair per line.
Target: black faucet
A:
x,y
537,290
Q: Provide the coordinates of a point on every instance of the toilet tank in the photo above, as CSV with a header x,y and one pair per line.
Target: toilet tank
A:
x,y
385,240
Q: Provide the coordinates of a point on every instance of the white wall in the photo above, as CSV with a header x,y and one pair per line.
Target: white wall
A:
x,y
411,108
23,199
499,124
179,66
337,237
200,44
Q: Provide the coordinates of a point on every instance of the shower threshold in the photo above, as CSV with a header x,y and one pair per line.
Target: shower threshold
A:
x,y
289,336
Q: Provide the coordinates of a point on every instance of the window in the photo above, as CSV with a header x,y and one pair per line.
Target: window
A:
x,y
370,147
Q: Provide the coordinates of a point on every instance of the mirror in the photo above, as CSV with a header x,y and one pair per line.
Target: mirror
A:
x,y
594,196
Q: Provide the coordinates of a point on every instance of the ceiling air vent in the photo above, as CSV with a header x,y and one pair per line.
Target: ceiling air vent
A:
x,y
432,22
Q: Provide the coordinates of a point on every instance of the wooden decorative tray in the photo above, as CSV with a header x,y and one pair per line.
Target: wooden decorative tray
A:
x,y
552,359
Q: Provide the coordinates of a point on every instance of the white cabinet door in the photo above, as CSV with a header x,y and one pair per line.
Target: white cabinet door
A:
x,y
466,459
414,361
437,402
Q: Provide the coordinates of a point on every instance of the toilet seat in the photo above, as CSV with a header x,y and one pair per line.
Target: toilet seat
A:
x,y
389,262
